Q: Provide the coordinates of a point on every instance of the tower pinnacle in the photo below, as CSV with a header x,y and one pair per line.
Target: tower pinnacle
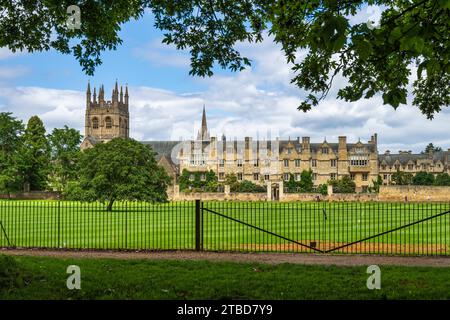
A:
x,y
88,94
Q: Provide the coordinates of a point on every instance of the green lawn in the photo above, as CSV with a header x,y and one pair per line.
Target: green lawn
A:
x,y
172,226
45,278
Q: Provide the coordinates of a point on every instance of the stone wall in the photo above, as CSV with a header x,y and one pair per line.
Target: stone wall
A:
x,y
355,197
286,197
414,193
219,196
358,197
387,194
33,195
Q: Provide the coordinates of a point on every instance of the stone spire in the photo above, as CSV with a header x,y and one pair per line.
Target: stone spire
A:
x,y
95,96
121,94
126,94
203,133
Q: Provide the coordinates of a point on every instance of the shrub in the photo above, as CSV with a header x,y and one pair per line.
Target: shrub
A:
x,y
322,189
209,184
343,185
250,187
423,178
442,179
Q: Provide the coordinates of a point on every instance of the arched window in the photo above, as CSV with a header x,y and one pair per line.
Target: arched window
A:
x,y
108,123
94,123
120,122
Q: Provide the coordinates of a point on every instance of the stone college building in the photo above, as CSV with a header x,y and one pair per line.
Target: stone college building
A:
x,y
261,161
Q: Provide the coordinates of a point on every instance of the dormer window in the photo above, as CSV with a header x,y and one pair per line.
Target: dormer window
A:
x,y
325,150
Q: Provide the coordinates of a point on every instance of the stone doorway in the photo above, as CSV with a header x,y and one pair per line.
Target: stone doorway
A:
x,y
275,192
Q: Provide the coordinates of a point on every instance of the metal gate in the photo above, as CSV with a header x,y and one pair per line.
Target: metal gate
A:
x,y
371,228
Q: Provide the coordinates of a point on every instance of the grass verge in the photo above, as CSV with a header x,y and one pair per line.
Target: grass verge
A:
x,y
45,278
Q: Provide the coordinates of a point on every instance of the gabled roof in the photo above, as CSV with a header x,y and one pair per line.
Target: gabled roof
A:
x,y
404,158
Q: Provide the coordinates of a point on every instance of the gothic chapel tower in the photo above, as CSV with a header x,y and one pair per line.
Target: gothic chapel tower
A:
x,y
105,120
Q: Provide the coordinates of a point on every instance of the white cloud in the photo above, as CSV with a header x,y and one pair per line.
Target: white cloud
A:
x,y
12,72
5,53
56,107
159,54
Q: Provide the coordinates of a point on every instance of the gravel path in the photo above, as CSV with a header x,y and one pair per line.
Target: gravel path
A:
x,y
270,258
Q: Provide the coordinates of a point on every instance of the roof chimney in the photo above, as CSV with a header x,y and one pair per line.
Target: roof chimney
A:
x,y
305,143
342,142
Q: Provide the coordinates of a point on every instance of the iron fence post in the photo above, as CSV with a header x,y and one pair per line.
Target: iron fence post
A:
x,y
59,224
198,226
126,225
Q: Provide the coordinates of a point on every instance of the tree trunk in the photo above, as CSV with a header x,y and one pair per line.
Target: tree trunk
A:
x,y
110,205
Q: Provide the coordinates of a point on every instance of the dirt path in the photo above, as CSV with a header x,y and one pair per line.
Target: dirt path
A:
x,y
270,258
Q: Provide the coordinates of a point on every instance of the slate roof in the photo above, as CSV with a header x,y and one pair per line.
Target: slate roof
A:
x,y
404,158
92,140
161,147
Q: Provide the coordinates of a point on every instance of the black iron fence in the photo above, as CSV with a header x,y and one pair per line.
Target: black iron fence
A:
x,y
320,227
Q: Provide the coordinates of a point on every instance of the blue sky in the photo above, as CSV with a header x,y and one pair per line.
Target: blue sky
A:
x,y
166,102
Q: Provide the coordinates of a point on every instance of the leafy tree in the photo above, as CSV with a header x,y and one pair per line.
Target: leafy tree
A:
x,y
430,148
322,189
343,185
306,181
231,180
376,185
184,180
36,154
211,183
11,131
423,178
122,169
291,185
402,178
373,59
65,152
41,26
442,179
